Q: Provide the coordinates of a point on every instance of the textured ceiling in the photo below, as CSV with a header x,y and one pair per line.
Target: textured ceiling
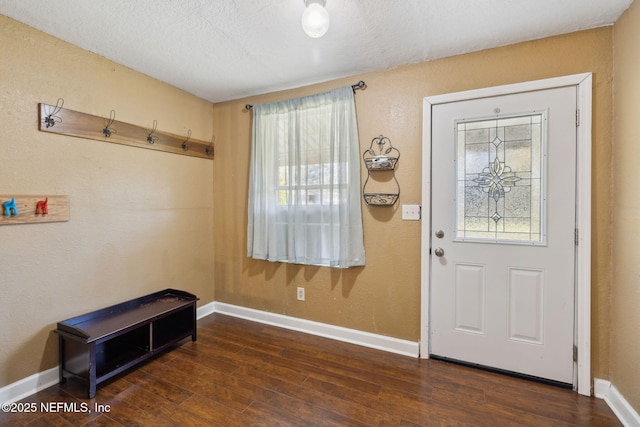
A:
x,y
229,49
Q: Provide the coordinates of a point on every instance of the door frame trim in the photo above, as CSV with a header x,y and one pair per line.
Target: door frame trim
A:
x,y
582,327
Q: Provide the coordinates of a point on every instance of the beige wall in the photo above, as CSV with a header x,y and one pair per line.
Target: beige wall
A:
x,y
625,211
141,220
383,297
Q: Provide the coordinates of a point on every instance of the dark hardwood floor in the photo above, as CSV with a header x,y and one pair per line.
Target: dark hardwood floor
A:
x,y
241,373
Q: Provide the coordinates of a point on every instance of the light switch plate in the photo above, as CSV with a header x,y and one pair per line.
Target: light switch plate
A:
x,y
411,212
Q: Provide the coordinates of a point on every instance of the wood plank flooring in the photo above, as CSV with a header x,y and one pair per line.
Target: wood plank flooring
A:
x,y
241,373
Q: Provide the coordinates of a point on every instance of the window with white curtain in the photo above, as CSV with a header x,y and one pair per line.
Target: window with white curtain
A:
x,y
304,184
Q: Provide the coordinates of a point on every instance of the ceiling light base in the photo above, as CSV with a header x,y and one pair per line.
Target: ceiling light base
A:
x,y
315,19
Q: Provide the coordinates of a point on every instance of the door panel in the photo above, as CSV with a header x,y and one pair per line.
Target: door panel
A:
x,y
526,310
469,298
503,194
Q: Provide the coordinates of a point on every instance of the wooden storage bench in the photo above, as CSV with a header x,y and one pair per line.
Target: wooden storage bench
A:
x,y
98,345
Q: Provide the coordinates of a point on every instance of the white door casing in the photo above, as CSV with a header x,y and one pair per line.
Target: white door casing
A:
x,y
531,277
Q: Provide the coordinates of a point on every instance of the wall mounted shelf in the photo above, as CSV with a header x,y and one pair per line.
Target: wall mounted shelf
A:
x,y
59,120
381,159
27,206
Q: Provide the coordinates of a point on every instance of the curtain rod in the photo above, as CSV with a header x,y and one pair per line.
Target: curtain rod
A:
x,y
359,85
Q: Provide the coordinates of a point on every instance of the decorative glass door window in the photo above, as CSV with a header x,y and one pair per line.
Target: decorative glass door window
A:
x,y
500,179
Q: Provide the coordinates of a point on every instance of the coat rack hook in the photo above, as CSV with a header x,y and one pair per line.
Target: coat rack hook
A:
x,y
186,146
10,207
209,150
51,118
42,207
150,137
107,131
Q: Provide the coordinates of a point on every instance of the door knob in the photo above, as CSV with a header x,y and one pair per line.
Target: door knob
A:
x,y
439,234
439,252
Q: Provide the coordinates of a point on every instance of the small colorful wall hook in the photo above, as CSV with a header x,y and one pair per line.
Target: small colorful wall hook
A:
x,y
41,207
9,206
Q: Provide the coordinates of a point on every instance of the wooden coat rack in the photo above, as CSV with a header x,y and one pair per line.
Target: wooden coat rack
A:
x,y
56,119
28,209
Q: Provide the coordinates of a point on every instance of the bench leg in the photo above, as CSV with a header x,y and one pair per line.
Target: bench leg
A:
x,y
61,355
194,335
92,371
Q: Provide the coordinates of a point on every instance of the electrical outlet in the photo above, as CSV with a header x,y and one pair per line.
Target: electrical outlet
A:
x,y
300,293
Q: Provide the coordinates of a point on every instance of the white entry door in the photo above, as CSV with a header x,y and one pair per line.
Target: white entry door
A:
x,y
503,185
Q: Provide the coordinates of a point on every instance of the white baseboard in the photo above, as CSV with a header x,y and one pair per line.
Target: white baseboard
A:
x,y
205,310
28,386
603,389
353,336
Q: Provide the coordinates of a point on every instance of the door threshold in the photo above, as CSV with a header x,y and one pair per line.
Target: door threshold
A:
x,y
503,372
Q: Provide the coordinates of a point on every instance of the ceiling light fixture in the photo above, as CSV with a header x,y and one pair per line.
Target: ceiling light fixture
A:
x,y
315,19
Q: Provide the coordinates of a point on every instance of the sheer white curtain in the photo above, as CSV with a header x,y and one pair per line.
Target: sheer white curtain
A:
x,y
304,184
